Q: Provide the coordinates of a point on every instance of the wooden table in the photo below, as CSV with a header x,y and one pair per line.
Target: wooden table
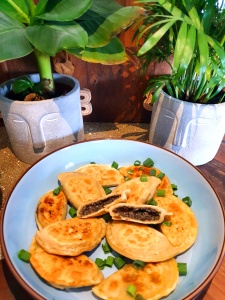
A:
x,y
11,169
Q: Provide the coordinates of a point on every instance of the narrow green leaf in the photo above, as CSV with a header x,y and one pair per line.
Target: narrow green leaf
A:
x,y
180,44
203,52
17,9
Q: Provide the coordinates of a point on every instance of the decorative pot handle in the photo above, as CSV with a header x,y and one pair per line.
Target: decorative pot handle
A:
x,y
85,99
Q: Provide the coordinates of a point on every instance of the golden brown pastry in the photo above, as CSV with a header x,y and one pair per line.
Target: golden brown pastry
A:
x,y
62,271
183,230
144,214
139,241
140,191
50,208
71,236
104,174
154,281
80,188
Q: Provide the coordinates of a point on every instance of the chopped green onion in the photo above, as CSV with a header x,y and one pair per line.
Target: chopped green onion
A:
x,y
130,172
148,162
167,223
139,297
24,255
100,263
137,163
92,162
174,186
109,261
161,193
152,172
161,175
119,262
182,268
138,264
115,165
152,202
106,217
126,178
141,168
131,290
106,248
144,178
57,190
73,212
107,190
187,200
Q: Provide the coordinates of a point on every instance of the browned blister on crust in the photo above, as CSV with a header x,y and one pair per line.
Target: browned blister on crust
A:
x,y
154,281
62,271
72,236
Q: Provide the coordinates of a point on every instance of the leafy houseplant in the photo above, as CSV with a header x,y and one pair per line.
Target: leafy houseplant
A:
x,y
87,29
188,102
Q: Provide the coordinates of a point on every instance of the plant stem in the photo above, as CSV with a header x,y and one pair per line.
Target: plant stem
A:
x,y
44,67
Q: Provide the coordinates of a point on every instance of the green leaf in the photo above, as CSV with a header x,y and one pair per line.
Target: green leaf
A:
x,y
51,39
113,53
65,10
19,10
21,85
180,44
13,33
203,52
153,40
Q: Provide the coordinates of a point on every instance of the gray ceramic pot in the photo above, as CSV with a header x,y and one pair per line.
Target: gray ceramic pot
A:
x,y
193,131
36,128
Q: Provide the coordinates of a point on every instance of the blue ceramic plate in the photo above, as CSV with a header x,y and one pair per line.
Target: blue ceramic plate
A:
x,y
19,227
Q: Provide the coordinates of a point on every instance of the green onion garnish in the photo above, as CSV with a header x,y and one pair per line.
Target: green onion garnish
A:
x,y
131,290
182,268
148,162
57,190
107,190
174,186
73,212
106,217
130,172
100,263
137,163
161,193
92,162
167,223
161,175
187,200
139,297
109,261
144,178
24,255
126,178
119,262
115,165
106,248
138,264
152,202
152,172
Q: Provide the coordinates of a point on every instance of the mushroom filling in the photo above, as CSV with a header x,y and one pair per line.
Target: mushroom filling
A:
x,y
142,214
97,205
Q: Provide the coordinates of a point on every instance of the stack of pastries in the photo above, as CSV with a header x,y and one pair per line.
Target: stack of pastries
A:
x,y
60,247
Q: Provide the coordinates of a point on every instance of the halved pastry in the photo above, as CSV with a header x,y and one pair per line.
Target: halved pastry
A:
x,y
139,241
72,236
145,214
100,207
50,208
183,230
136,171
104,174
154,281
80,188
64,272
140,191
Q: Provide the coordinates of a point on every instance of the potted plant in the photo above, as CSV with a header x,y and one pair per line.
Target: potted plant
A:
x,y
87,29
188,102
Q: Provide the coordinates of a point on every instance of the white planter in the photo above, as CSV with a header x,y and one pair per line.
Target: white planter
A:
x,y
36,128
193,131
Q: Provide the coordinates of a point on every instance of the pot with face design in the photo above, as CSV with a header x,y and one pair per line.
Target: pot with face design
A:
x,y
36,128
192,130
